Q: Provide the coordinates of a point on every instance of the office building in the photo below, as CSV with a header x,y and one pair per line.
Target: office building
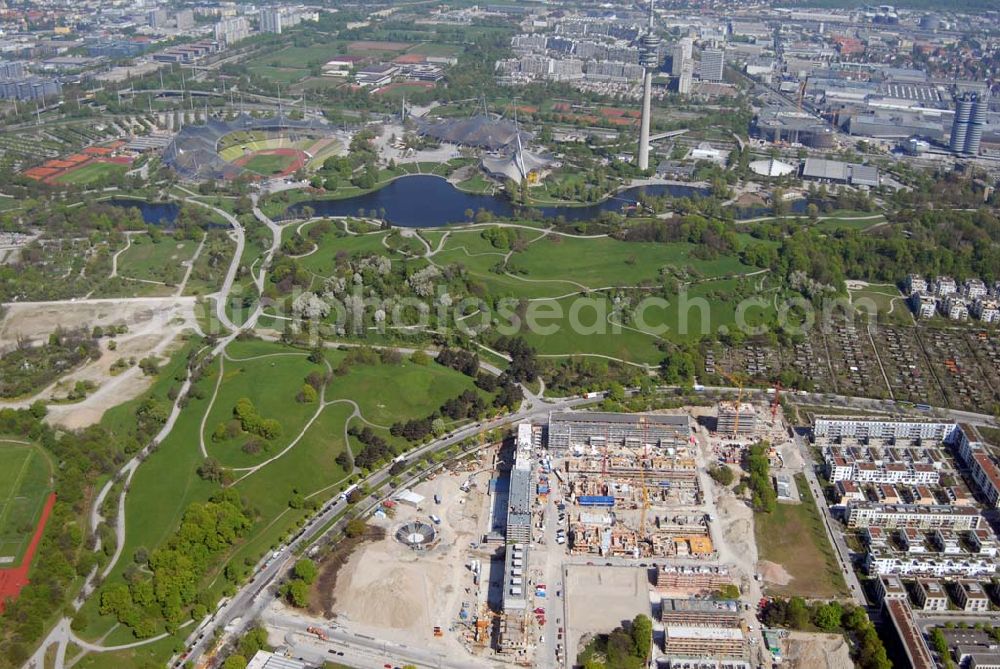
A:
x,y
712,64
967,128
680,54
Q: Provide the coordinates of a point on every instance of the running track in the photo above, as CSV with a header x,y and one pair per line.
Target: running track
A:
x,y
14,579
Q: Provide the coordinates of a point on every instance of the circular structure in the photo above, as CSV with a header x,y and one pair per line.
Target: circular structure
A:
x,y
221,149
417,535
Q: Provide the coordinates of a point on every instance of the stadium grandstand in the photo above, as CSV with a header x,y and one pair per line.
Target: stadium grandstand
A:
x,y
194,152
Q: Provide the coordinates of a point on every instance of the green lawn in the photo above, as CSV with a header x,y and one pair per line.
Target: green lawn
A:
x,y
166,483
614,263
91,173
793,536
160,261
269,163
323,259
432,49
271,383
25,475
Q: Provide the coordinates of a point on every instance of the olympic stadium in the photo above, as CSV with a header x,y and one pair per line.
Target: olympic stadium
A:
x,y
246,146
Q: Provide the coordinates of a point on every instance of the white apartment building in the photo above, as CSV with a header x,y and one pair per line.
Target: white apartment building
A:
x,y
890,516
916,284
882,562
987,310
841,469
867,427
943,286
955,308
974,288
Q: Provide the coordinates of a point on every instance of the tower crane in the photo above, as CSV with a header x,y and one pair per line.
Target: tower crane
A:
x,y
774,402
642,477
739,400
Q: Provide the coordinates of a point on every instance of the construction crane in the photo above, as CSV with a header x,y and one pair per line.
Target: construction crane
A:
x,y
739,400
604,455
642,478
774,402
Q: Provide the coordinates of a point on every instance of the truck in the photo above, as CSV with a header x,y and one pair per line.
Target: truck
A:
x,y
344,495
435,519
319,634
592,396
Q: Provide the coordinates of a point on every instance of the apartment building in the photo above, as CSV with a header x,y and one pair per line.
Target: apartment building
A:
x,y
890,516
971,597
929,595
867,427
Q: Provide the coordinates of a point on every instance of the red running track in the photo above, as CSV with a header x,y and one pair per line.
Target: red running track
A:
x,y
13,580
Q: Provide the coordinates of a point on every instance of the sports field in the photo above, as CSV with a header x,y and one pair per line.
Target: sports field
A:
x,y
24,483
272,162
90,173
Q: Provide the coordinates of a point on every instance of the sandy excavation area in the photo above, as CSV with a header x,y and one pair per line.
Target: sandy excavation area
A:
x,y
154,329
817,651
388,589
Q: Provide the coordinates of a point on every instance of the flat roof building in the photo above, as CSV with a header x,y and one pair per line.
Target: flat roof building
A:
x,y
867,427
568,429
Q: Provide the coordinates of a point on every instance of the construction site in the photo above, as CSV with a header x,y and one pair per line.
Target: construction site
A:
x,y
497,558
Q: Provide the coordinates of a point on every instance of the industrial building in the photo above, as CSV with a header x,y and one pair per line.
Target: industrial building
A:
x,y
582,429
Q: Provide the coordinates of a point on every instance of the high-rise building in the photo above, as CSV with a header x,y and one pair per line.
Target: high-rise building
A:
x,y
967,129
157,18
649,58
185,19
712,63
685,77
960,127
270,21
230,31
680,53
977,119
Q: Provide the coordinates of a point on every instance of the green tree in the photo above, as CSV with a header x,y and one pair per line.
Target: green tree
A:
x,y
305,570
235,662
827,616
642,635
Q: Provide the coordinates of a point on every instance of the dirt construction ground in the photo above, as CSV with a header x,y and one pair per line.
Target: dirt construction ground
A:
x,y
387,589
817,651
154,329
600,598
